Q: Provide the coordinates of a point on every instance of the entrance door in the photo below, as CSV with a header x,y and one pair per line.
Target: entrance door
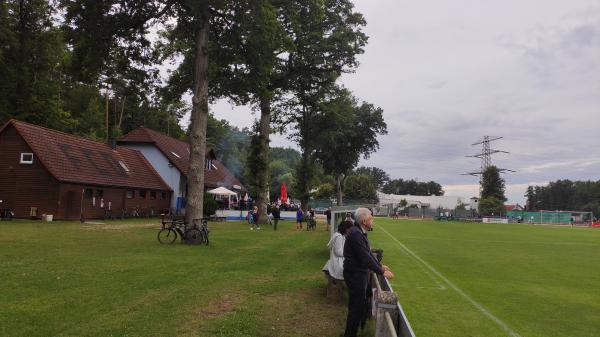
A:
x,y
72,206
9,197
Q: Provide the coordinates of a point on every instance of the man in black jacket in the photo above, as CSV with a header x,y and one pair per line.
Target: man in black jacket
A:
x,y
357,262
276,215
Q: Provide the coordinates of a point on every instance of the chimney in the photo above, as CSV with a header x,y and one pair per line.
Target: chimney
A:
x,y
112,143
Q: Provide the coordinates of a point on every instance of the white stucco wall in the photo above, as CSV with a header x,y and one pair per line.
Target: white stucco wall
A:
x,y
169,173
447,202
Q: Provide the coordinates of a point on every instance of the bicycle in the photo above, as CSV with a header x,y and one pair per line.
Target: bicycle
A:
x,y
108,214
311,223
6,214
203,229
172,228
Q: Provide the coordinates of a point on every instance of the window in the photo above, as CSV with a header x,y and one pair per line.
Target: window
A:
x,y
208,165
153,195
87,193
26,158
142,194
163,195
129,194
123,166
175,154
99,193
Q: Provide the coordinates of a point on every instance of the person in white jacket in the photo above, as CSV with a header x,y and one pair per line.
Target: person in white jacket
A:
x,y
335,264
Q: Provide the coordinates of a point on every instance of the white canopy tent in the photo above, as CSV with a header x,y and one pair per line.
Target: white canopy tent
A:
x,y
224,192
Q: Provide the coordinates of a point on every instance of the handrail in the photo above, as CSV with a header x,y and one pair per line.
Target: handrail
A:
x,y
403,328
377,284
390,325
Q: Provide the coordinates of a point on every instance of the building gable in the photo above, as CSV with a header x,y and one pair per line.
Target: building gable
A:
x,y
74,159
177,152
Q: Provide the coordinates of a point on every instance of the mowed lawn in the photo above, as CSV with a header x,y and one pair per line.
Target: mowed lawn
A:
x,y
115,279
486,280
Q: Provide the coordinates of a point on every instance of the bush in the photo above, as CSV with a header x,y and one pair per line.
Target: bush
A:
x,y
210,205
491,206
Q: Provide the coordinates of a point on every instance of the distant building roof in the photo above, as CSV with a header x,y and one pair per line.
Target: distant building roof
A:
x,y
515,207
75,159
178,153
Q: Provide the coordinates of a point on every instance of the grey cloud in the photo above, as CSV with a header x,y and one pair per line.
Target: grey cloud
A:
x,y
437,84
581,37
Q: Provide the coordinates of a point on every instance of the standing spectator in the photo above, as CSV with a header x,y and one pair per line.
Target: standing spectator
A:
x,y
311,223
276,215
299,216
349,217
254,216
357,262
328,215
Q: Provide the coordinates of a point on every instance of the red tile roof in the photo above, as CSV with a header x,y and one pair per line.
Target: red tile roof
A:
x,y
74,159
175,150
170,146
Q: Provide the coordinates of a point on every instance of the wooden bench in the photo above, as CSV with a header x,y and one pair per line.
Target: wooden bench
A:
x,y
335,288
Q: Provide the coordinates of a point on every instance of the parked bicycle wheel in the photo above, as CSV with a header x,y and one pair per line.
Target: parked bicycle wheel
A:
x,y
194,237
205,235
167,235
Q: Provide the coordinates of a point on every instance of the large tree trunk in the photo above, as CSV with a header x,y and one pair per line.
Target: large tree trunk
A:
x,y
199,118
264,130
338,189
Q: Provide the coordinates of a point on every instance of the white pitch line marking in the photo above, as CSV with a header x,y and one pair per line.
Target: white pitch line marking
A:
x,y
438,283
479,307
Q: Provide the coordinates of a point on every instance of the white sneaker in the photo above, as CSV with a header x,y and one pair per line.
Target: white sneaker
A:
x,y
258,228
251,228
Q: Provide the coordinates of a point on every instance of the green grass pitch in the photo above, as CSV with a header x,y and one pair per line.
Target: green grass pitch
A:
x,y
453,279
467,279
115,279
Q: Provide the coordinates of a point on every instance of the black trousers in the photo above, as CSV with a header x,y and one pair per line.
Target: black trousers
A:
x,y
357,300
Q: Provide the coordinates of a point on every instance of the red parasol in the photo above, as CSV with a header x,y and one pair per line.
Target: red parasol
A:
x,y
284,197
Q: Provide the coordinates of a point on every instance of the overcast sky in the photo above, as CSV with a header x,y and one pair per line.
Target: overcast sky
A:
x,y
446,73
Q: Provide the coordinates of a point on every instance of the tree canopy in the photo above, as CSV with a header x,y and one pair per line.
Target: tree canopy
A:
x,y
492,185
566,195
412,187
378,176
347,130
360,189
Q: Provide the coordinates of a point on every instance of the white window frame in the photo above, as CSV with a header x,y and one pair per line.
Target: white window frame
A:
x,y
23,161
123,166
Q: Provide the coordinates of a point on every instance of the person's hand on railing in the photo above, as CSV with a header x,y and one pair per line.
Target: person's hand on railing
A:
x,y
385,267
387,273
